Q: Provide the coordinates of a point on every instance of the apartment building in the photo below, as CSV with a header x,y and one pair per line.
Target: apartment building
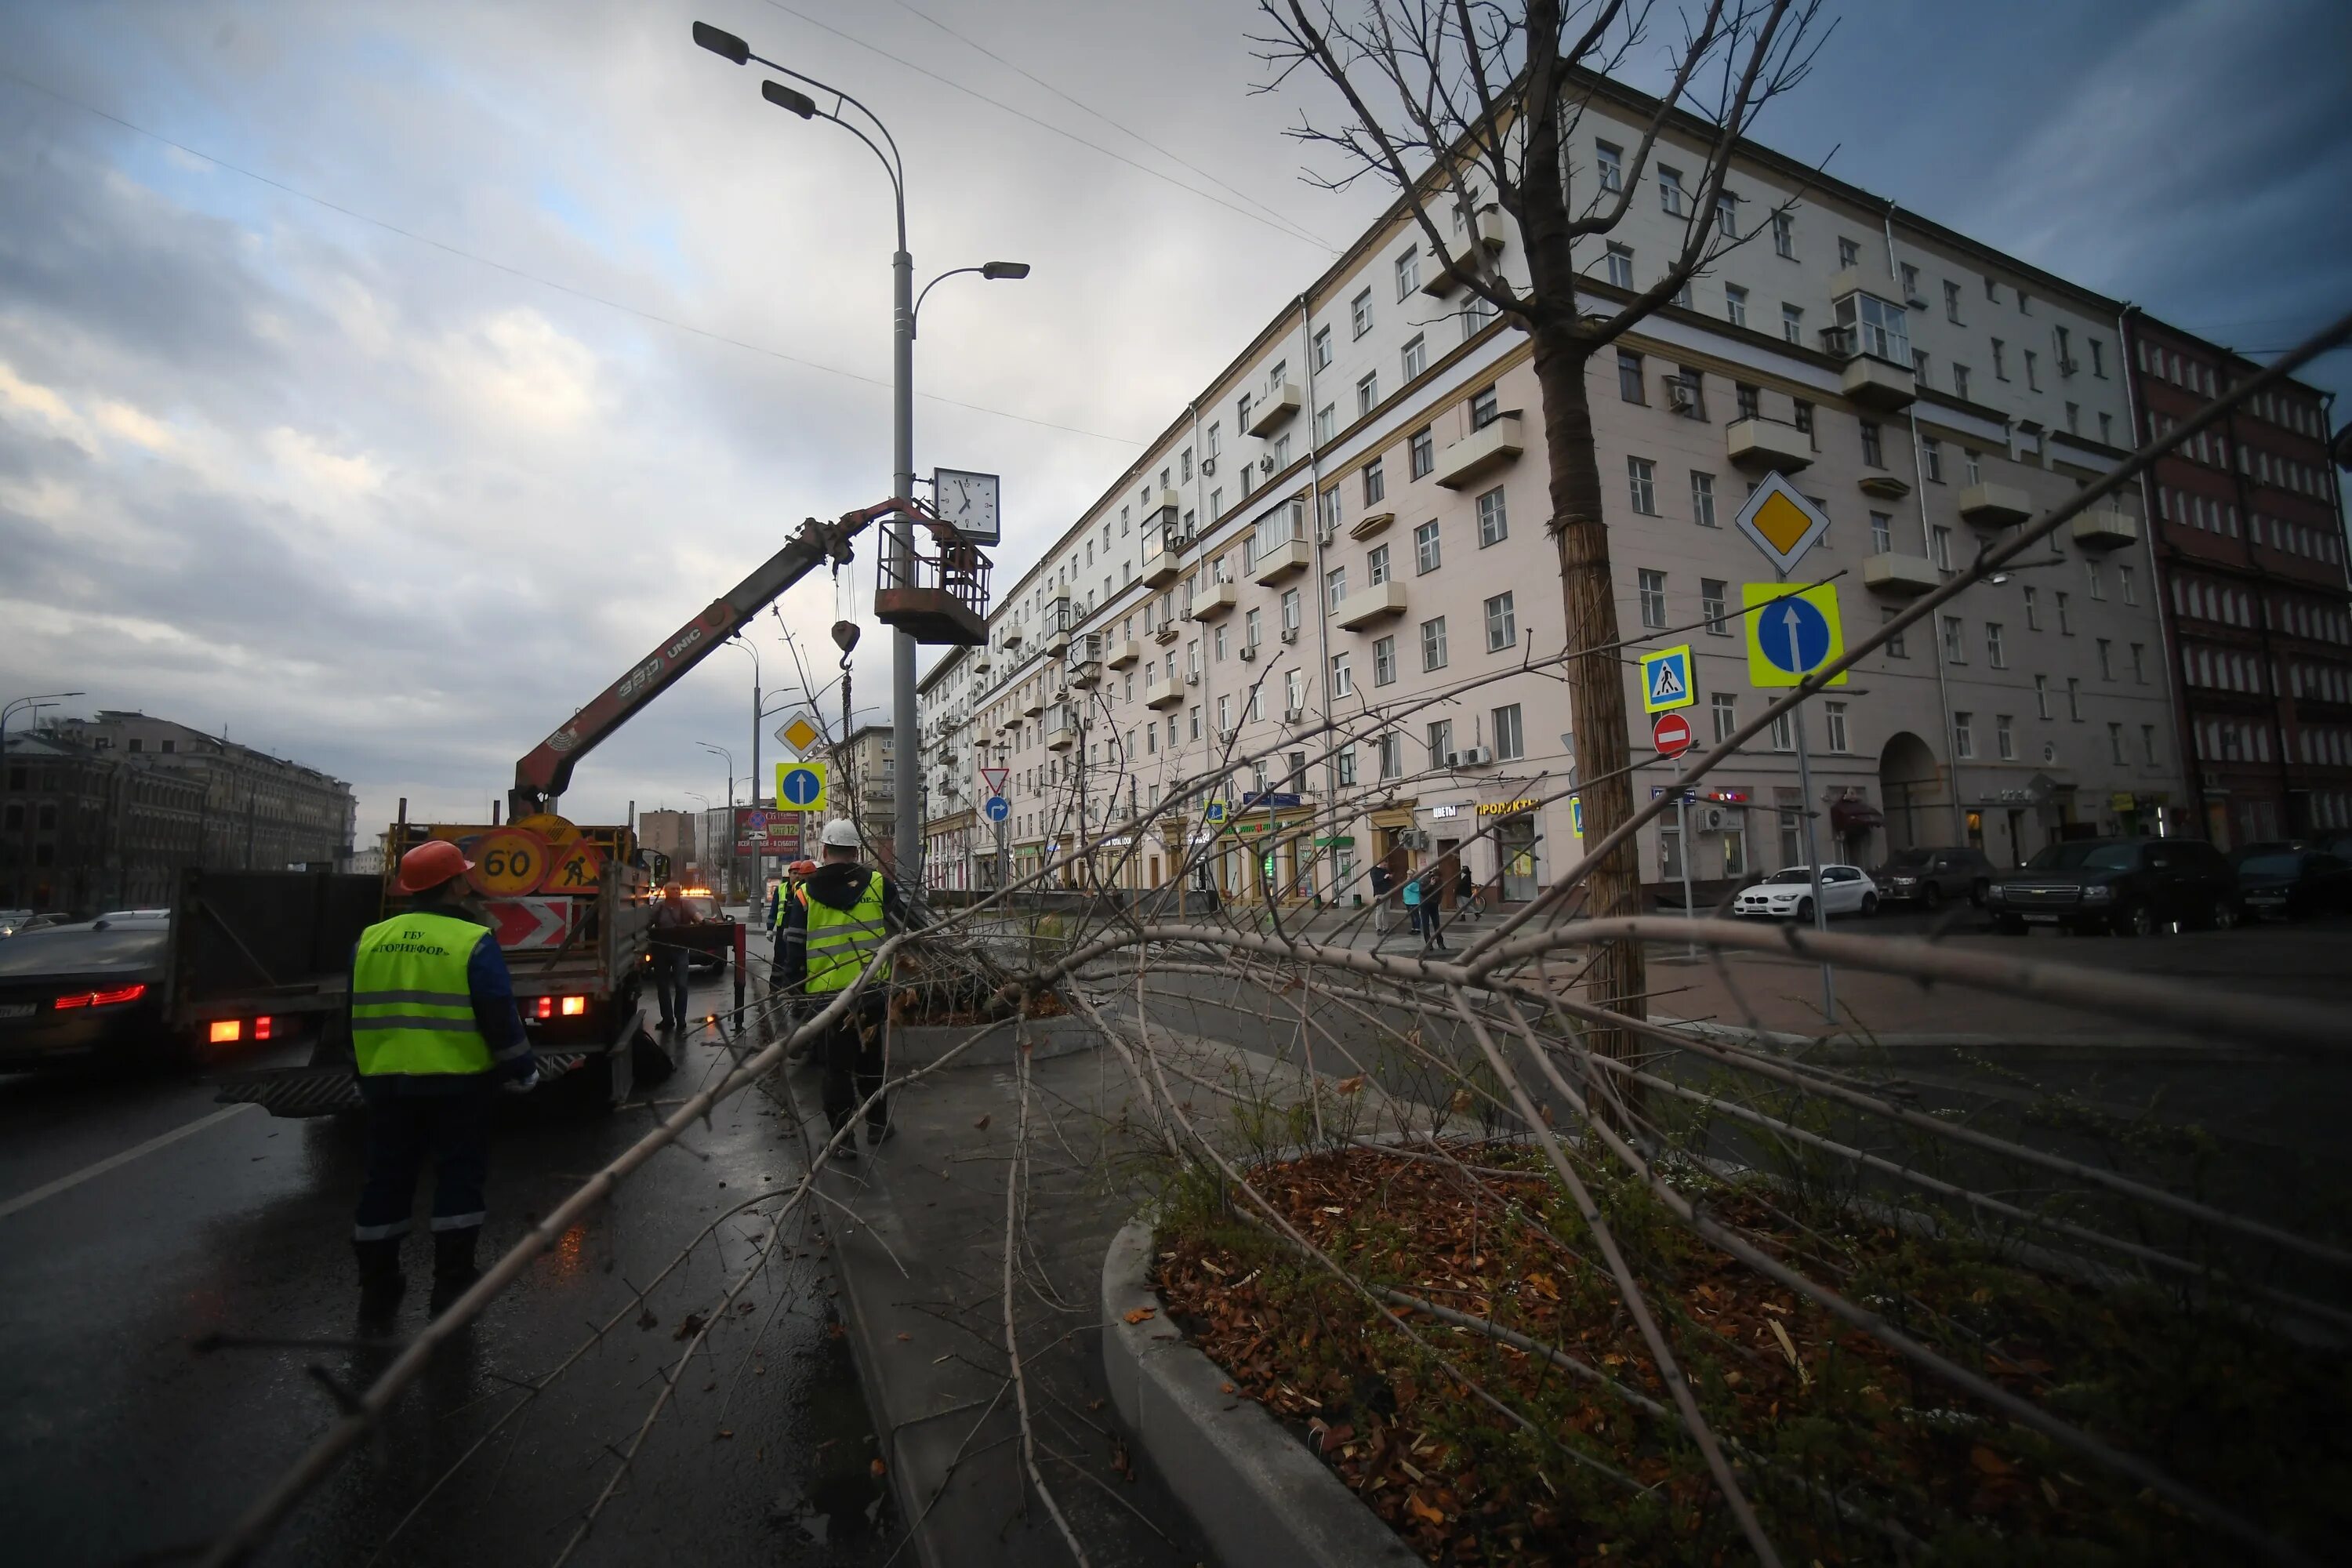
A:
x,y
1347,528
864,787
87,831
669,833
2250,545
959,842
259,811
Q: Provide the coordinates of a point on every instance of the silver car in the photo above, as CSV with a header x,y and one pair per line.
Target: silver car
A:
x,y
1788,894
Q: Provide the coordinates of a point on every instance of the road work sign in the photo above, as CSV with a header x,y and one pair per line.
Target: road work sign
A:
x,y
1792,632
800,786
1666,680
1780,523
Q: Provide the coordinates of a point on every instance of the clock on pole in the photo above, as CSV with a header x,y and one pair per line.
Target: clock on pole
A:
x,y
967,503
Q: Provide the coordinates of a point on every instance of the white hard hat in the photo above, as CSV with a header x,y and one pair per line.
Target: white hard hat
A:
x,y
841,833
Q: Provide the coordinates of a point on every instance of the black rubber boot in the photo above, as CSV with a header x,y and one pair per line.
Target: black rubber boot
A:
x,y
380,1280
453,1273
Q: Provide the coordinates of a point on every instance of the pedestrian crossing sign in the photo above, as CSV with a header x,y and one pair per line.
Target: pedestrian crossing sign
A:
x,y
1666,680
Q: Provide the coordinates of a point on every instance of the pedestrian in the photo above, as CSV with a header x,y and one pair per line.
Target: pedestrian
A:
x,y
1466,890
1384,880
836,920
435,1034
1433,919
1413,904
673,913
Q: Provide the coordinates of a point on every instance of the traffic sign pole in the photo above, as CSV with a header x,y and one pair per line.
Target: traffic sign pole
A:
x,y
1812,847
1681,826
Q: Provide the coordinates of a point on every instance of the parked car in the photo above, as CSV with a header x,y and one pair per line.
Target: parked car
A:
x,y
1933,874
2132,887
39,922
11,919
77,992
705,905
2245,852
2295,885
1788,894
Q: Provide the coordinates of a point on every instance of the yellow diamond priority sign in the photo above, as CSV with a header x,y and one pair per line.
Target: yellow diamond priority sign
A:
x,y
800,732
1780,523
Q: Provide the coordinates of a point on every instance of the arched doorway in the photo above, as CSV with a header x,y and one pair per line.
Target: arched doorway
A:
x,y
1912,784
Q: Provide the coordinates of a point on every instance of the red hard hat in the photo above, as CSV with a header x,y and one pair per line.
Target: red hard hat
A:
x,y
430,863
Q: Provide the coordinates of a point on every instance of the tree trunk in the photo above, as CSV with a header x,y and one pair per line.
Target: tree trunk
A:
x,y
1617,977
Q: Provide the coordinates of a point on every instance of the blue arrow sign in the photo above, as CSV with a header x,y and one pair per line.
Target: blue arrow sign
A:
x,y
802,786
998,808
1794,635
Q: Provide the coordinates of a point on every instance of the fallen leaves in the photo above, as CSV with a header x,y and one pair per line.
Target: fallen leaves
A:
x,y
1141,1313
878,1469
690,1326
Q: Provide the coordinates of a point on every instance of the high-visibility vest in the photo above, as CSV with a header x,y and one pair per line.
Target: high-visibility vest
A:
x,y
841,943
412,1008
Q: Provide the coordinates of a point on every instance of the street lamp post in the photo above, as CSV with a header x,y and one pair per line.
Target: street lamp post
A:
x,y
906,834
734,871
36,703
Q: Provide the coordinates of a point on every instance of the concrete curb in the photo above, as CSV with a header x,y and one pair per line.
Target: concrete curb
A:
x,y
920,1045
1889,1050
1255,1492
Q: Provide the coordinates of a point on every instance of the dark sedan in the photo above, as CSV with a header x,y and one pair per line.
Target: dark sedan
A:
x,y
2295,885
77,994
2132,887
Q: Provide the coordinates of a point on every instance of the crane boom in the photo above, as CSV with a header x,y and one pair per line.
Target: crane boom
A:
x,y
546,772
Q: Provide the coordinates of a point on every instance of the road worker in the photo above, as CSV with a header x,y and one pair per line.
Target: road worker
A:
x,y
833,921
435,1034
673,913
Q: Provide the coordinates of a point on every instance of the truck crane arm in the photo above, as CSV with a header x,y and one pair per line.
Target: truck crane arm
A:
x,y
546,772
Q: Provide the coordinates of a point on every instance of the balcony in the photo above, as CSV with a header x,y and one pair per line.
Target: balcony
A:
x,y
1995,506
1371,607
1061,735
1767,444
1211,600
1876,384
1163,552
1034,704
1169,696
1164,633
1277,404
1087,675
1011,638
1485,230
1273,565
1494,445
2105,527
1120,655
1899,577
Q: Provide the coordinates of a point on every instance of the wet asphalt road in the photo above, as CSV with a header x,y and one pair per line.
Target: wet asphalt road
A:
x,y
121,1442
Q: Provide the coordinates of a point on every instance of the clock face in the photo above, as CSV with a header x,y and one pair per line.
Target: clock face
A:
x,y
967,501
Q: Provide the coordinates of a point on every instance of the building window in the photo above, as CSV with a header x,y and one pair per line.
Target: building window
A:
x,y
1849,253
1621,266
1800,413
2115,742
1833,718
1509,742
1327,424
1911,285
1335,587
1290,609
1376,482
1724,706
1502,625
2066,620
1882,533
1703,497
1874,451
2106,659
1652,592
1477,312
1959,381
2033,363
1784,234
1641,475
1343,681
1971,465
2074,698
1931,458
1423,447
1416,357
1996,655
2098,359
1252,624
2140,663
1408,272
1425,554
1368,393
1711,594
1951,300
1629,377
1784,735
1956,647
1360,312
1494,523
1670,191
2147,749
1939,547
1441,743
2041,696
1726,215
1735,304
1391,754
2033,610
1964,735
2004,736
1894,644
1611,162
1432,644
1748,399
1793,325
1323,348
1376,565
2098,580
2000,360
1384,662
2107,429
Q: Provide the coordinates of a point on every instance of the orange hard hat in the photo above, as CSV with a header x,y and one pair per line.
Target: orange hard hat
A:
x,y
800,868
430,863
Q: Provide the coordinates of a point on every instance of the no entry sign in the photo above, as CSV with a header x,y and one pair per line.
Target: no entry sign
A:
x,y
1671,734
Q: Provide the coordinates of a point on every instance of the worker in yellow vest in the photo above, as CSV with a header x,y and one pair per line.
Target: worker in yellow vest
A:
x,y
833,923
433,1033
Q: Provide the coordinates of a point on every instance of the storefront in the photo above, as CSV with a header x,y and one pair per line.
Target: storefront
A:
x,y
1512,829
1856,825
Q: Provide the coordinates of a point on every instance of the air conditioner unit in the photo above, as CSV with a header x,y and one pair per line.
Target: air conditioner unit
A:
x,y
1249,653
1266,463
1680,398
1469,757
1290,634
2069,366
1191,677
1293,715
1209,465
1713,819
1412,838
1227,737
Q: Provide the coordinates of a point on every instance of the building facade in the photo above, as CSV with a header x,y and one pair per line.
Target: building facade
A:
x,y
261,812
1326,607
959,842
2249,543
87,831
670,833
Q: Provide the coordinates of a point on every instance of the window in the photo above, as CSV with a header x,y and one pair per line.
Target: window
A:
x,y
1641,475
1376,482
2004,736
2033,610
1629,377
1423,447
1425,554
1290,609
1931,458
1416,357
1408,273
1726,217
1939,547
2074,698
1964,736
1802,414
1384,662
2115,742
2098,360
2024,303
1849,253
1502,625
1703,497
1793,323
1253,628
1894,644
1294,691
1956,647
1494,523
1711,594
1951,300
1911,284
1323,348
2148,741
1368,393
1882,533
2032,382
1327,424
1735,304
1225,712
1441,742
1671,197
1996,655
1971,465
2106,659
2066,622
1343,682
1376,565
2073,420
1724,706
1477,312
1484,409
1652,592
1874,451
1621,266
1959,381
1833,717
1784,234
2000,360
1360,312
1748,398
1687,392
2107,429
1335,587
1508,740
2098,582
2041,696
2140,663
1432,644
1874,327
1611,162
1784,735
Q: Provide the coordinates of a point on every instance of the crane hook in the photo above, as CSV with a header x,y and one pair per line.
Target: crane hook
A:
x,y
845,635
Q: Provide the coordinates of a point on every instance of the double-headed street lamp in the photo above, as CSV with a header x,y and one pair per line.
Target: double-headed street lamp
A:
x,y
733,870
907,836
34,703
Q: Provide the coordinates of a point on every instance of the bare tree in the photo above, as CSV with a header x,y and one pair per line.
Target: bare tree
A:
x,y
1462,104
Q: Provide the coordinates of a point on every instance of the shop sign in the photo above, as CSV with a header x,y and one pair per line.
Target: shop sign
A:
x,y
1507,807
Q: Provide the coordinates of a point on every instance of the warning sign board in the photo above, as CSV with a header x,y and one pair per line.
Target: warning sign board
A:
x,y
1666,680
573,868
508,861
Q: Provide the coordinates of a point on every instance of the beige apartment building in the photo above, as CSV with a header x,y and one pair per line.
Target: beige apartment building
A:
x,y
1348,527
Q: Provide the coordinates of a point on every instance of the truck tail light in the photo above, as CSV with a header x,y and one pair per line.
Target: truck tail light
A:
x,y
574,1006
101,998
227,1030
546,1008
262,1028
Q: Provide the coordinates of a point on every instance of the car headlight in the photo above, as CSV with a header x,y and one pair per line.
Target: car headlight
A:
x,y
2098,893
1997,893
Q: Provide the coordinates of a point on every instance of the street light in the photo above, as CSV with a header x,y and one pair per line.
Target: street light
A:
x,y
37,702
732,869
906,834
995,271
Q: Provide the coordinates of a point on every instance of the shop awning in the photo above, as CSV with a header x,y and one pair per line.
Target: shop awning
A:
x,y
1854,816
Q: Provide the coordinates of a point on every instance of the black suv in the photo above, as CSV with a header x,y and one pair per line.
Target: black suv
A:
x,y
2131,887
1932,875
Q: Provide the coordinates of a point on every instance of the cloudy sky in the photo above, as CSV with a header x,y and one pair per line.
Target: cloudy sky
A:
x,y
378,382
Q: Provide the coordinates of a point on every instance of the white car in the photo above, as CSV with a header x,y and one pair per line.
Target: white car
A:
x,y
1788,894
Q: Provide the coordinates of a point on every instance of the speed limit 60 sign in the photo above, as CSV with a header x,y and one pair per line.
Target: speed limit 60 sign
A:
x,y
508,861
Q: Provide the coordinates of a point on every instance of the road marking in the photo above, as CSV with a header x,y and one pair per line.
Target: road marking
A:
x,y
26,1200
